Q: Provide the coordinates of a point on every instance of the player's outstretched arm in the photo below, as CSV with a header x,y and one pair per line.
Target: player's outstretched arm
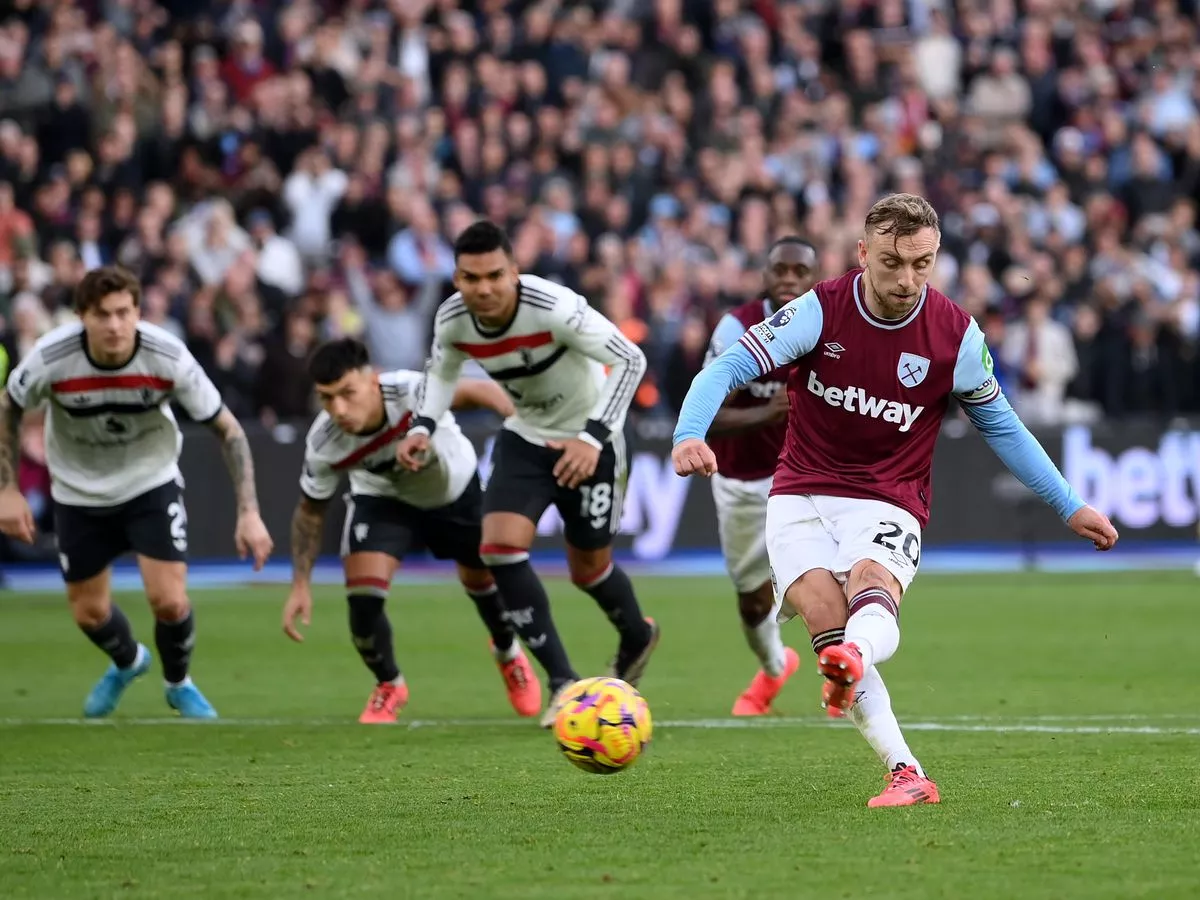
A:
x,y
308,524
16,519
736,420
1020,451
783,338
250,535
730,370
482,393
990,412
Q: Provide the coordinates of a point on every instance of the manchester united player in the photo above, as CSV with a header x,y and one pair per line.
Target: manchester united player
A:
x,y
747,438
112,445
875,356
571,375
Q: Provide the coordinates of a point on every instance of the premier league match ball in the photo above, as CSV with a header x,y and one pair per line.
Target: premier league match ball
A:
x,y
603,725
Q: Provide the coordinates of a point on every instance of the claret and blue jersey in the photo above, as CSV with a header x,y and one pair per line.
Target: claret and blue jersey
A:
x,y
867,397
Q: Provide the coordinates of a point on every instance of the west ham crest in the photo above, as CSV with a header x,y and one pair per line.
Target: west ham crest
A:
x,y
912,369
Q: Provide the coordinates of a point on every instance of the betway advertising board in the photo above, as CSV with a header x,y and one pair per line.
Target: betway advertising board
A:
x,y
1146,478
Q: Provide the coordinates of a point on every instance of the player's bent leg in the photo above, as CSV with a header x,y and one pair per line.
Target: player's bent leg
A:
x,y
779,663
819,599
174,634
368,576
106,627
524,691
594,572
873,623
504,549
880,553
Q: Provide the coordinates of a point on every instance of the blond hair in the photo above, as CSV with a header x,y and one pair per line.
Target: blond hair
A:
x,y
901,215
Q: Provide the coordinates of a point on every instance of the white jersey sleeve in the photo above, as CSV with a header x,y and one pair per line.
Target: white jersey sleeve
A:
x,y
29,383
587,331
194,390
318,479
436,391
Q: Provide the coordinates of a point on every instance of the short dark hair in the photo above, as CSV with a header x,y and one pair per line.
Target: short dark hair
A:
x,y
792,239
333,359
482,237
99,283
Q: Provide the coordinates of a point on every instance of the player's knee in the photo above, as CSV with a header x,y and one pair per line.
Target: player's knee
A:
x,y
90,612
91,603
475,581
168,605
870,574
587,567
755,607
819,599
494,555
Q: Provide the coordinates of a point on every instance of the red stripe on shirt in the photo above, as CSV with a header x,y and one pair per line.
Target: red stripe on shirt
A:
x,y
508,345
104,382
380,440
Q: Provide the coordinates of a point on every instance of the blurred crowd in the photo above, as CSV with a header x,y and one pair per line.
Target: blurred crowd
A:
x,y
282,172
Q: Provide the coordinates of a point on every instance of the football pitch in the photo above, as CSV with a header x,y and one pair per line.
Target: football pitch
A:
x,y
1058,714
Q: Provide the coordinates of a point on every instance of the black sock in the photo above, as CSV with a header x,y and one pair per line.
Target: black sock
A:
x,y
115,638
531,620
490,606
372,633
175,641
829,638
613,593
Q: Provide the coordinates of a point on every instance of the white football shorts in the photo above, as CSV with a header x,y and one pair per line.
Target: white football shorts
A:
x,y
806,532
741,527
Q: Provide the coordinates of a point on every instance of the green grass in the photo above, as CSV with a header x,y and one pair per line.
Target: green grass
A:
x,y
298,800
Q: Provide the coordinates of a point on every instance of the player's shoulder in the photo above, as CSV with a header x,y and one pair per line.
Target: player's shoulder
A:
x,y
399,383
59,344
948,319
546,302
840,289
542,293
749,313
322,437
452,313
160,344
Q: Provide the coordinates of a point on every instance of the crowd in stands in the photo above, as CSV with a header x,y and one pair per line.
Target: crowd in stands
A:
x,y
283,172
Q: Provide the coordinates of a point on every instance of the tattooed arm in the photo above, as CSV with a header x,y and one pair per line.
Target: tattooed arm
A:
x,y
10,441
251,534
308,525
16,520
236,450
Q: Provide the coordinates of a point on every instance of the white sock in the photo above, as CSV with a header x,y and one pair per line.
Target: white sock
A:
x,y
873,627
187,679
140,659
507,656
767,645
872,713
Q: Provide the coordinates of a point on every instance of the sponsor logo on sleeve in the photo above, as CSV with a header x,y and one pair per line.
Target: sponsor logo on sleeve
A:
x,y
782,317
763,332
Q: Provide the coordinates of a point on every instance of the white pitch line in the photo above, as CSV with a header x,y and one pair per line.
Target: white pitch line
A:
x,y
1013,727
